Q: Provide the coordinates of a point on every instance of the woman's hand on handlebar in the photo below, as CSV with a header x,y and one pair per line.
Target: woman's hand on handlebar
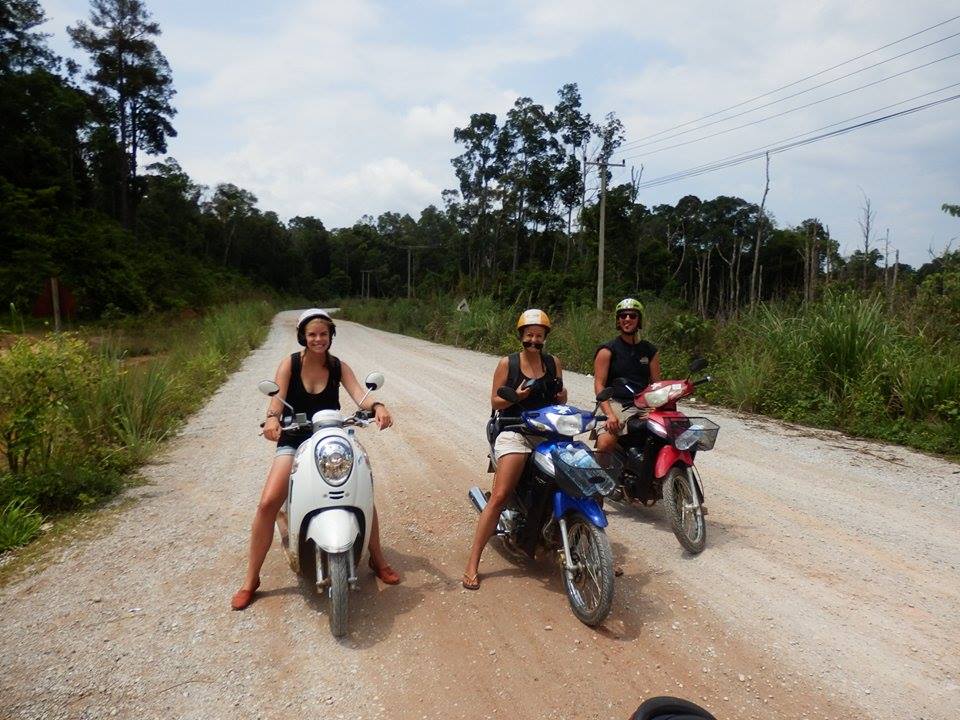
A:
x,y
271,428
382,417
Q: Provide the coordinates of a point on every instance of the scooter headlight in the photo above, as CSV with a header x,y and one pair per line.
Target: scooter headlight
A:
x,y
334,461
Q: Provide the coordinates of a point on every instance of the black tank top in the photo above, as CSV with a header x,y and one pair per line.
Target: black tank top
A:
x,y
542,395
631,362
309,403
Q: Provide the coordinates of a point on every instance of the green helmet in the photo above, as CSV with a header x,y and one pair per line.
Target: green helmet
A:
x,y
629,304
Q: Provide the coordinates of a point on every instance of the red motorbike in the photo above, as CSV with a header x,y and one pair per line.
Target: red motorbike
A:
x,y
658,452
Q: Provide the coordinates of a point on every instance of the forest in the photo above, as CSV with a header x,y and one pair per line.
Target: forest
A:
x,y
88,196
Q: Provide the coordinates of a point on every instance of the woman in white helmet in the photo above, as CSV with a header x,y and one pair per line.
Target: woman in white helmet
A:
x,y
511,448
309,381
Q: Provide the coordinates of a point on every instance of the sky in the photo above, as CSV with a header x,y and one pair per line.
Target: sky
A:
x,y
345,109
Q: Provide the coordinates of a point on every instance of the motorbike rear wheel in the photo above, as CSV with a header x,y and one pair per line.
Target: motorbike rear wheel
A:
x,y
339,567
590,589
687,522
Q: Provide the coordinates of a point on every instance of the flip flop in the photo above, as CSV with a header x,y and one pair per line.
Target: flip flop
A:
x,y
471,582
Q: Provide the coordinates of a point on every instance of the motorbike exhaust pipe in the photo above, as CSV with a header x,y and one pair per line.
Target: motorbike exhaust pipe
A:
x,y
477,498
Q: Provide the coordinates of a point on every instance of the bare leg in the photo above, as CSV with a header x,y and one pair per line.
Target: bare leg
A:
x,y
378,563
376,551
509,468
261,533
606,442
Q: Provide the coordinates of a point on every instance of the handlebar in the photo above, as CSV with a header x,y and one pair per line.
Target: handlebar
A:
x,y
702,380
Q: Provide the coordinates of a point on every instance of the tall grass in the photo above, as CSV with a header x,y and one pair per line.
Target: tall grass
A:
x,y
843,362
101,412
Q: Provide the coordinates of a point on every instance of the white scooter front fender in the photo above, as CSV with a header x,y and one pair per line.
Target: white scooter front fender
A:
x,y
334,530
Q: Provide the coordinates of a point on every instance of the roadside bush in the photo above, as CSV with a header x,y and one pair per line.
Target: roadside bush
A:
x,y
39,382
19,524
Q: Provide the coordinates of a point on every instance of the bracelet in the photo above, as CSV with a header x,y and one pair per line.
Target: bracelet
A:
x,y
275,414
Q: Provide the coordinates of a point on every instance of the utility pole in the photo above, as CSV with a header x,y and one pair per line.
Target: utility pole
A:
x,y
602,165
410,248
365,284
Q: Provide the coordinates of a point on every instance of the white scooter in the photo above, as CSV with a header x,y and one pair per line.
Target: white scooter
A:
x,y
325,523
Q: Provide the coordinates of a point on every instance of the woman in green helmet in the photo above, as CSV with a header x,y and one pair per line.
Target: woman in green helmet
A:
x,y
626,356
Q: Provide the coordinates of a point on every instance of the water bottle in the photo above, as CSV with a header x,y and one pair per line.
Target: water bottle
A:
x,y
583,459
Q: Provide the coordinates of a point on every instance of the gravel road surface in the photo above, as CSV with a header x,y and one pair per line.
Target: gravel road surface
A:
x,y
830,584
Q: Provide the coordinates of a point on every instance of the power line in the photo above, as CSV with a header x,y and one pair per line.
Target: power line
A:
x,y
636,144
764,148
804,79
787,112
720,165
824,127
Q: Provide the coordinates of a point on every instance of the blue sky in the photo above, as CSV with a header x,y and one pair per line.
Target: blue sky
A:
x,y
343,109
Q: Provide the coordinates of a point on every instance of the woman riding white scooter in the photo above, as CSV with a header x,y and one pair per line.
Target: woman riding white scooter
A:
x,y
309,381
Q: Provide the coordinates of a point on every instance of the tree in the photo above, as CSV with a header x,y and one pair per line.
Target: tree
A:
x,y
230,205
481,162
21,48
866,227
951,209
132,80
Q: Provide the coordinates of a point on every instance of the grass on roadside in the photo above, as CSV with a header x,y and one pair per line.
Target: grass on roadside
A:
x,y
78,413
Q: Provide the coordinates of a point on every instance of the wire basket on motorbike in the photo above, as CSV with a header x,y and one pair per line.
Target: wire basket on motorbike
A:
x,y
585,473
692,433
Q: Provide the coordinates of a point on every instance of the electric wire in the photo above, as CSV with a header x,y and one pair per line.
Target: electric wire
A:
x,y
720,165
763,148
797,82
791,110
636,144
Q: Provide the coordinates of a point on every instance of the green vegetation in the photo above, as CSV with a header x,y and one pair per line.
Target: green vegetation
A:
x,y
844,362
78,412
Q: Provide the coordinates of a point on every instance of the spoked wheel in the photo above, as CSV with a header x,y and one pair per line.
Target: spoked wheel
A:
x,y
684,511
590,586
339,566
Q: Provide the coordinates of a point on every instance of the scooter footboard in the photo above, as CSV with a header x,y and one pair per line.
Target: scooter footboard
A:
x,y
334,530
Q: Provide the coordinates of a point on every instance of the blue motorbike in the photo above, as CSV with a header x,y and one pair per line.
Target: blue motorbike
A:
x,y
554,507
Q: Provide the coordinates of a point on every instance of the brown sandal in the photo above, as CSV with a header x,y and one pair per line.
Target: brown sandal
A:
x,y
386,573
242,598
471,582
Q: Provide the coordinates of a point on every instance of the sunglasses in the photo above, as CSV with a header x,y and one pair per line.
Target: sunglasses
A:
x,y
629,315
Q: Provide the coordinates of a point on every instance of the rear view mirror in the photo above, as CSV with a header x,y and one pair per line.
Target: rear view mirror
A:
x,y
605,394
374,381
698,364
268,387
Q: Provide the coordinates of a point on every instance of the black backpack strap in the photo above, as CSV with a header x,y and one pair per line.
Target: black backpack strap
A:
x,y
550,363
513,370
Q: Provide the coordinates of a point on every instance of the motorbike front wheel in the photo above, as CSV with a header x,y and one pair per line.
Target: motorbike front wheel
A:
x,y
339,567
686,517
590,586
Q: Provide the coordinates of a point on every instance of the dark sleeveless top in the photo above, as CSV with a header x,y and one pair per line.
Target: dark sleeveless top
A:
x,y
631,362
309,403
542,394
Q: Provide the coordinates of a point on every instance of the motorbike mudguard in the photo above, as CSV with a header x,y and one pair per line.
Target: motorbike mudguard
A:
x,y
668,457
588,507
334,530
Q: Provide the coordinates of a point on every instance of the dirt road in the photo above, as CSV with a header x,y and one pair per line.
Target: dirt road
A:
x,y
830,584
